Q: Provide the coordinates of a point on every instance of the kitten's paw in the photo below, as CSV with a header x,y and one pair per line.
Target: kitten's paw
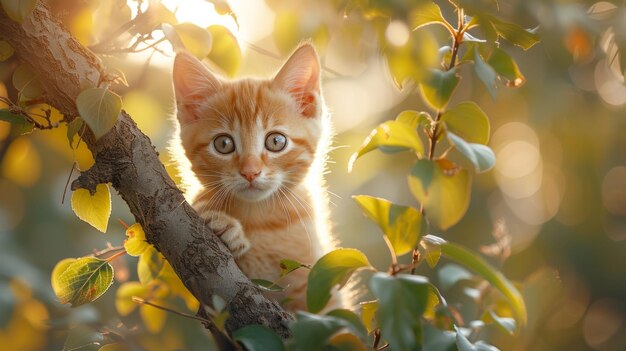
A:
x,y
230,231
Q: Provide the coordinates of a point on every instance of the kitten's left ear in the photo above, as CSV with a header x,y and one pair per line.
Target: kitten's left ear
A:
x,y
300,76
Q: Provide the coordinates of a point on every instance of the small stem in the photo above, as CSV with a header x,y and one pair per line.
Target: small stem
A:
x,y
394,260
415,259
376,338
67,183
183,314
123,223
116,256
457,41
108,250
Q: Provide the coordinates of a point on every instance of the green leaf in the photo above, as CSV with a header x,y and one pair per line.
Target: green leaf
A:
x,y
72,129
438,88
189,36
258,338
21,125
468,121
401,224
84,280
334,268
267,285
26,82
506,68
481,156
311,332
150,265
6,50
485,270
505,324
485,73
287,266
513,32
368,314
225,51
94,209
18,10
426,14
355,323
403,300
99,108
443,189
451,273
83,338
391,136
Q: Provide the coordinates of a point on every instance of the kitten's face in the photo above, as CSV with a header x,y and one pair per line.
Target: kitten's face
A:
x,y
250,138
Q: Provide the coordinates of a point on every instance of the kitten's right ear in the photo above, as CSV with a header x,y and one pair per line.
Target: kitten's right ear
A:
x,y
192,82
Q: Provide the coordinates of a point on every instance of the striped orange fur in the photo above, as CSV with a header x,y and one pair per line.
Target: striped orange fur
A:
x,y
256,147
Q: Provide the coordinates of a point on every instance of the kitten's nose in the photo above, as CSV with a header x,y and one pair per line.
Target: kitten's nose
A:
x,y
251,167
250,175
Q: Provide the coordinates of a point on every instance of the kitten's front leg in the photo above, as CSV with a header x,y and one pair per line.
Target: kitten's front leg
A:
x,y
230,231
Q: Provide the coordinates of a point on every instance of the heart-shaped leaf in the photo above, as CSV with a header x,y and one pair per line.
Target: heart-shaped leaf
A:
x,y
94,209
99,108
438,88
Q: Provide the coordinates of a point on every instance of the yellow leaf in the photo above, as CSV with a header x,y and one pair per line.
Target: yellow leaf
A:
x,y
147,112
95,209
21,163
177,287
153,318
136,243
225,51
368,313
59,268
123,298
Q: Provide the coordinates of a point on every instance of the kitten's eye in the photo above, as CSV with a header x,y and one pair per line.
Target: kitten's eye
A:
x,y
224,144
275,142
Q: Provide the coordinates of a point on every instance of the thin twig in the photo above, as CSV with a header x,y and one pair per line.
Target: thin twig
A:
x,y
108,250
67,183
183,314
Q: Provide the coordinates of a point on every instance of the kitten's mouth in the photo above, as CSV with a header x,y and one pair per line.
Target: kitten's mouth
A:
x,y
254,192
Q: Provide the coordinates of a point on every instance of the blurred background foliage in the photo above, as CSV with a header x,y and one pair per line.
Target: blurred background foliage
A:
x,y
551,214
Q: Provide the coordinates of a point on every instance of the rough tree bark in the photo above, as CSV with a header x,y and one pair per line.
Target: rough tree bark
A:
x,y
126,158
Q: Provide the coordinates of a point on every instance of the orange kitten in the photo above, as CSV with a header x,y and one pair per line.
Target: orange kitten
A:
x,y
257,148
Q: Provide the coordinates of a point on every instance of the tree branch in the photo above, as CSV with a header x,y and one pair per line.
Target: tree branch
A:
x,y
126,158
